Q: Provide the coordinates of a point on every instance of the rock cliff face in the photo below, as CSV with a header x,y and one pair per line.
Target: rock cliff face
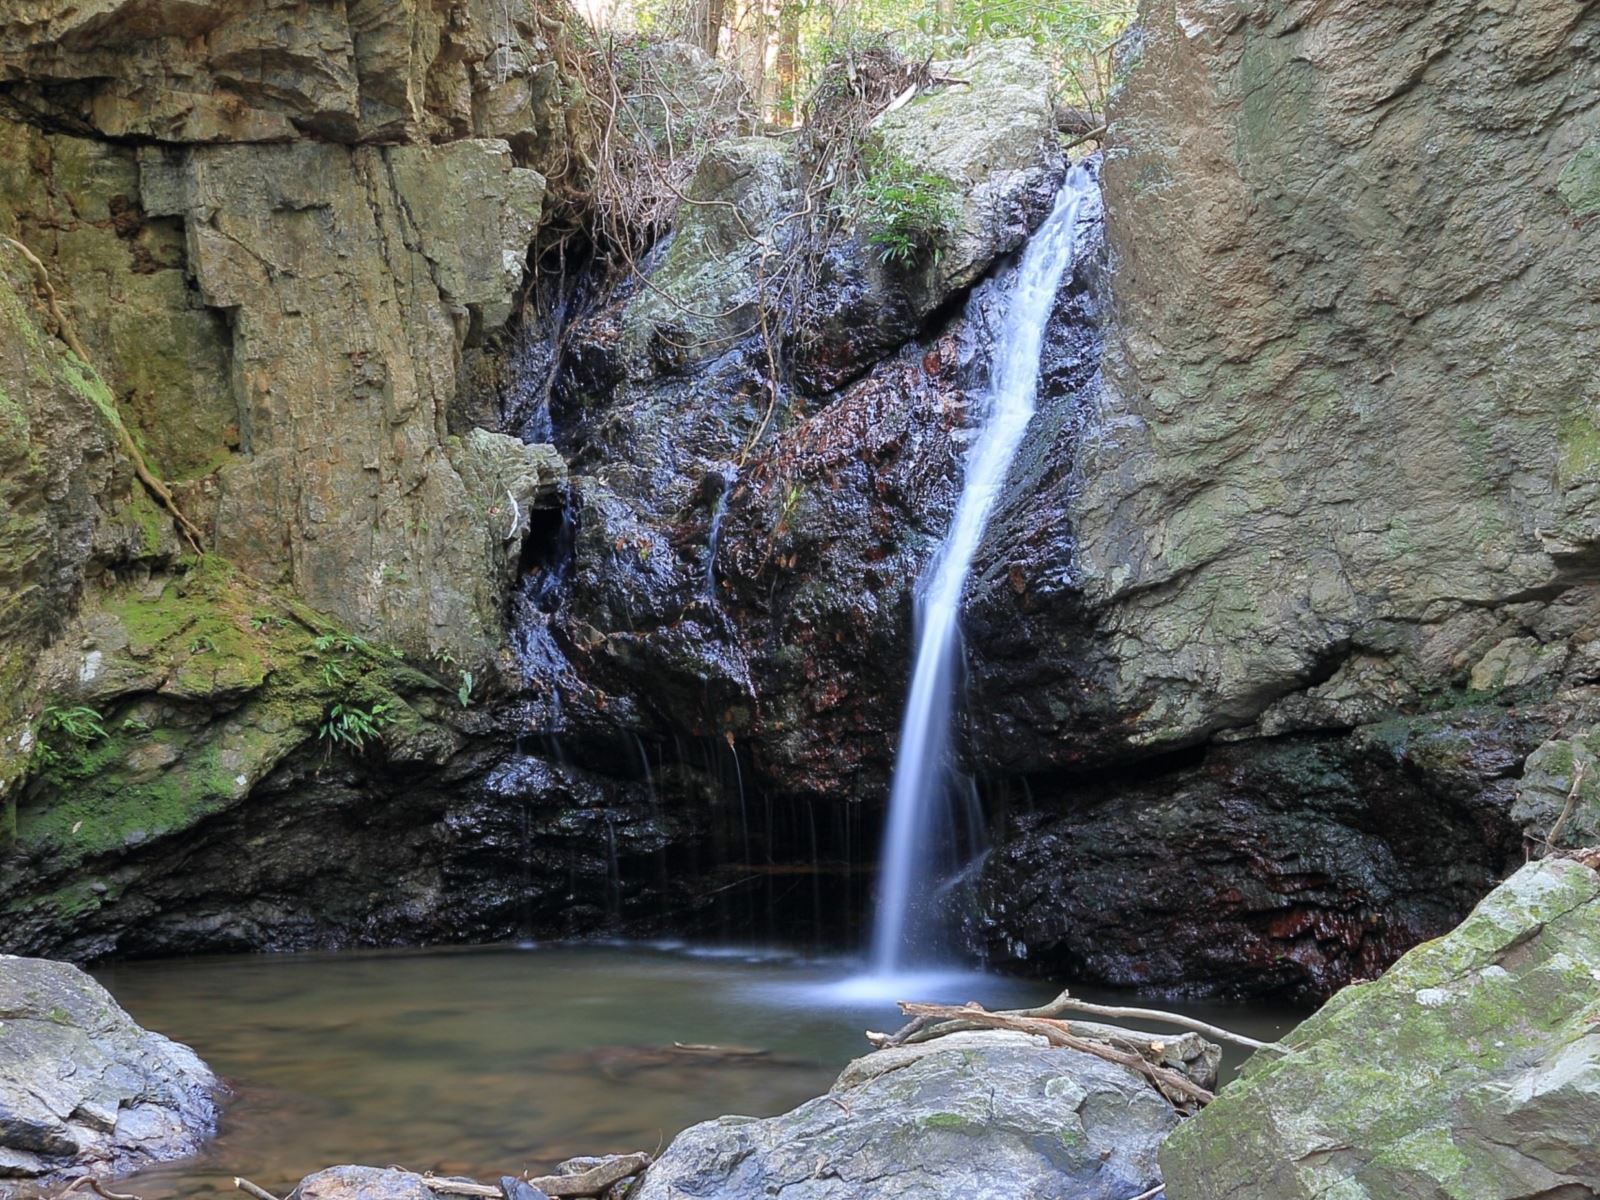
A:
x,y
1342,462
252,252
1339,472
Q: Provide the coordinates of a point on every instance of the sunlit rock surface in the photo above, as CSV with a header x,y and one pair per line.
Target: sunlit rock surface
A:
x,y
1345,458
971,1114
83,1089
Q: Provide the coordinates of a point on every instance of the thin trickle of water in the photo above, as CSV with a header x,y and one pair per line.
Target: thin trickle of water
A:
x,y
649,776
613,871
718,511
744,815
921,773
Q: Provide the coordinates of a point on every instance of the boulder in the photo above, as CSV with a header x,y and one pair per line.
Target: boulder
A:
x,y
1469,1071
85,1089
986,1116
1558,796
363,1183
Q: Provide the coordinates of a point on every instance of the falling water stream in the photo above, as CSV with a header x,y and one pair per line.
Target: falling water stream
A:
x,y
902,931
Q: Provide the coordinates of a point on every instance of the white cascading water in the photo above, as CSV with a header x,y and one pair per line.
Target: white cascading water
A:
x,y
920,770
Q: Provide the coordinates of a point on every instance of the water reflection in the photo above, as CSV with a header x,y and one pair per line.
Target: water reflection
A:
x,y
488,1061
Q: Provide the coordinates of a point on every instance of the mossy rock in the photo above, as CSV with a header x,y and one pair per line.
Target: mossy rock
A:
x,y
1466,1071
202,683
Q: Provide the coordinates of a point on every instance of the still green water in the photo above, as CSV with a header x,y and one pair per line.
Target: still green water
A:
x,y
488,1061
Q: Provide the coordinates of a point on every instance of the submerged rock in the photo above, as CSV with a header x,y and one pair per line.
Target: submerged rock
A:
x,y
979,1115
1471,1070
83,1088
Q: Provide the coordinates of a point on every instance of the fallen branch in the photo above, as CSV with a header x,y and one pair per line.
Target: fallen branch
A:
x,y
1567,809
1169,1083
459,1187
1094,135
69,335
595,1180
923,1029
1065,1002
1152,1193
95,1186
260,1193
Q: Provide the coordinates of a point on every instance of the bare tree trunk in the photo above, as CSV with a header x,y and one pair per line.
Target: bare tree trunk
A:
x,y
708,18
788,60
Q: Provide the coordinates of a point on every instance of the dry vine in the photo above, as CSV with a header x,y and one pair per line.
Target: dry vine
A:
x,y
130,449
639,176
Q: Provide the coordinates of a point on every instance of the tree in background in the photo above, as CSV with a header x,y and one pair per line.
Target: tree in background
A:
x,y
780,47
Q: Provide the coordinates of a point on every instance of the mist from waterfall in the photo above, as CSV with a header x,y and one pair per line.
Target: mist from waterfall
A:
x,y
904,929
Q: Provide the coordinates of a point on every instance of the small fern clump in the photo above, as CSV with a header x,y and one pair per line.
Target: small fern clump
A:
x,y
349,724
64,728
906,213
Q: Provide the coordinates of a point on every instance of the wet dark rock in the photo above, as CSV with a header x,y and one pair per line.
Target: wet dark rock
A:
x,y
83,1089
520,1189
1287,868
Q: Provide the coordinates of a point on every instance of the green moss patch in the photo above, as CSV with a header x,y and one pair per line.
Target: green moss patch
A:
x,y
215,679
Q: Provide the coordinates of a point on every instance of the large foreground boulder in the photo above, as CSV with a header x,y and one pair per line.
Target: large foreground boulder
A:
x,y
982,1116
85,1090
1470,1071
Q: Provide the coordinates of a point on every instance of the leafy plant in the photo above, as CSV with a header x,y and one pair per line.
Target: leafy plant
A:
x,y
77,726
905,212
204,644
81,724
351,725
344,643
464,691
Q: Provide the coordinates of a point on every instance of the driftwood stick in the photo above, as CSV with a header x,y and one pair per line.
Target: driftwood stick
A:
x,y
1168,1082
1065,1002
924,1029
1152,1193
595,1180
1554,836
460,1187
95,1186
260,1193
1094,135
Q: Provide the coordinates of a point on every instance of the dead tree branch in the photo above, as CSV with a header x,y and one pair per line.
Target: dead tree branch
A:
x,y
68,334
1177,1088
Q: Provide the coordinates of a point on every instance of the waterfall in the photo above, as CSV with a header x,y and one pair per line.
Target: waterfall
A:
x,y
920,765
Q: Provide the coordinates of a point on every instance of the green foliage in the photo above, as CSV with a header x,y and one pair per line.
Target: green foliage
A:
x,y
464,690
81,724
349,724
65,730
348,643
905,213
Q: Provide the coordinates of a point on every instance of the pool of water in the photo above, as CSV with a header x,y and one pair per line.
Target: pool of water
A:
x,y
491,1060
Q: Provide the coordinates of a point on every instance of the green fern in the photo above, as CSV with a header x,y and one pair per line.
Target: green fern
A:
x,y
353,726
